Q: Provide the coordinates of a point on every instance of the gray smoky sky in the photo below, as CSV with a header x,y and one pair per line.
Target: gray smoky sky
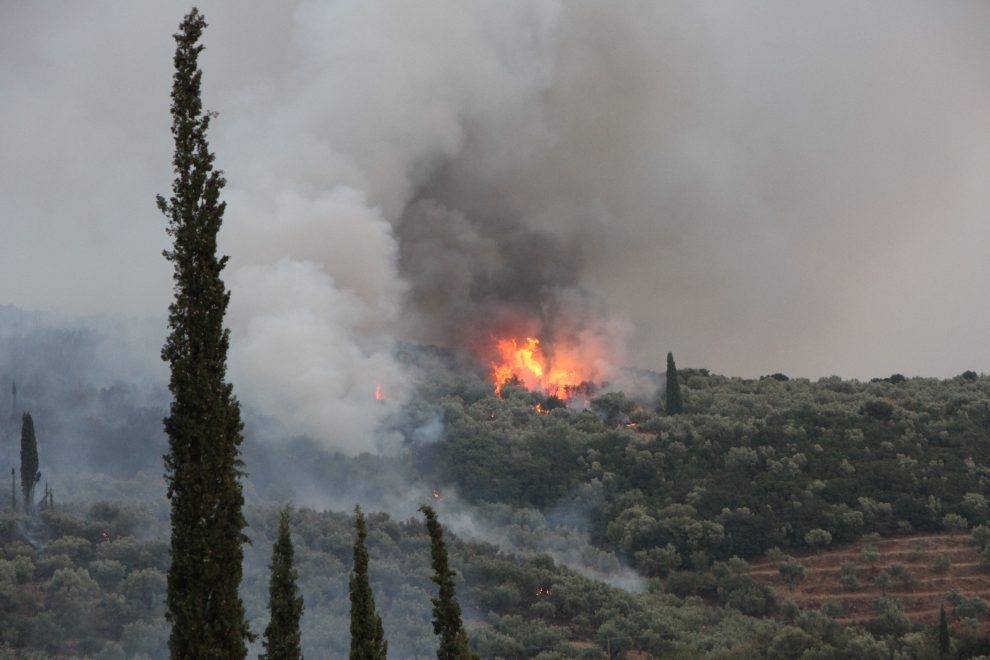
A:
x,y
755,186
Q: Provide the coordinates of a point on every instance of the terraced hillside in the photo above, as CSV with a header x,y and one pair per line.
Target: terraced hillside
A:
x,y
911,569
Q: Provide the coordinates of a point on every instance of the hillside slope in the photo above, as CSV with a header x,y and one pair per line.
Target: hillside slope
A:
x,y
908,562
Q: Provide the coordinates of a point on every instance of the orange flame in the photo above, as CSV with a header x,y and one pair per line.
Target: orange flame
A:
x,y
526,361
378,393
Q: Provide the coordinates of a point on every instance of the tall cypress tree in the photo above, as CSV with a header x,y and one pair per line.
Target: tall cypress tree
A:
x,y
367,633
944,640
30,475
674,405
203,466
284,602
446,610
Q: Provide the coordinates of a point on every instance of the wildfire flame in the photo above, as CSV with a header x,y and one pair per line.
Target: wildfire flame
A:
x,y
526,360
378,393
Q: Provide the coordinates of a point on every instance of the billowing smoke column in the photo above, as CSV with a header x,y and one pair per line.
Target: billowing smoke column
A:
x,y
359,218
757,185
459,173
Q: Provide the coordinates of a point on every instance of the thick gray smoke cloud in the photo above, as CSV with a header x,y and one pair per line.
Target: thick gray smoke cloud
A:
x,y
757,186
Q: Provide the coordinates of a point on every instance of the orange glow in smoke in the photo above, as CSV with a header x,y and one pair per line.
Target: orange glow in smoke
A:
x,y
378,393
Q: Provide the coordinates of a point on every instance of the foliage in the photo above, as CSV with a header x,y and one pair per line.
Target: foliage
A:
x,y
818,538
30,476
869,554
849,582
282,637
446,610
748,465
203,425
367,634
791,570
674,404
980,535
944,638
57,617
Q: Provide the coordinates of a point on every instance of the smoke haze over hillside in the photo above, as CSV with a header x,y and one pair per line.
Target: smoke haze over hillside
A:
x,y
756,186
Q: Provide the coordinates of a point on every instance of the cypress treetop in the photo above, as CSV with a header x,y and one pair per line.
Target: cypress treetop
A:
x,y
282,636
944,639
446,609
203,466
674,405
30,475
367,633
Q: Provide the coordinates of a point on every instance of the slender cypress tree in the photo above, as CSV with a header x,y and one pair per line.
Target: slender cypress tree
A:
x,y
367,633
203,466
943,633
446,610
674,405
284,602
29,462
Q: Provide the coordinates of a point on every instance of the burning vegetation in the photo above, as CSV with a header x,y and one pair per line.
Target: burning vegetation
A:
x,y
560,372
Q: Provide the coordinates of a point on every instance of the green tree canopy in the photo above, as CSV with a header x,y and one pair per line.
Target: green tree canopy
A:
x,y
285,605
446,610
944,639
203,466
674,404
367,633
30,475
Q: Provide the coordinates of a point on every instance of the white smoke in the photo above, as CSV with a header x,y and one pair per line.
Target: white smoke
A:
x,y
758,187
323,156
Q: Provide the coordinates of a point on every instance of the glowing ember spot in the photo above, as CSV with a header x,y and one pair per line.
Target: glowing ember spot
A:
x,y
542,591
436,494
378,393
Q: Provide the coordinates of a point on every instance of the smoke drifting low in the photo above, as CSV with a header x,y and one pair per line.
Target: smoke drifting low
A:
x,y
758,187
